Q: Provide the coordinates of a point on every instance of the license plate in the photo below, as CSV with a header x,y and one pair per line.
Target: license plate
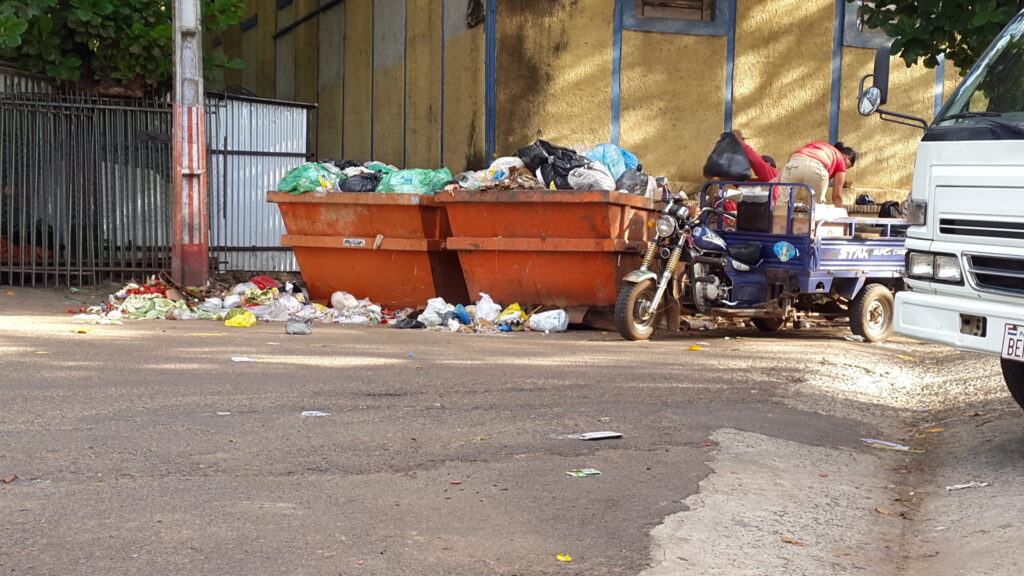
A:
x,y
1013,342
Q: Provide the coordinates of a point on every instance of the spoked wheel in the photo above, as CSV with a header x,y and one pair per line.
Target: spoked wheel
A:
x,y
634,313
871,313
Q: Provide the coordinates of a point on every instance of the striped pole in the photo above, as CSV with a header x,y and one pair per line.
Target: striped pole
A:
x,y
190,226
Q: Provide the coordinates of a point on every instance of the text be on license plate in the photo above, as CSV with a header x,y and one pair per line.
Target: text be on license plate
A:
x,y
1013,342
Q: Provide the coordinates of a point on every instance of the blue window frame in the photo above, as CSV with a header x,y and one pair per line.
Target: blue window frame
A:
x,y
633,19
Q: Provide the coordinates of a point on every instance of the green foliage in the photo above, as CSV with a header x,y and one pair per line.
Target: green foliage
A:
x,y
924,29
122,42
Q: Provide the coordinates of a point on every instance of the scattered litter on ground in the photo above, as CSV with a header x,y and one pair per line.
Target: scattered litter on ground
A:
x,y
9,293
241,359
853,338
883,511
585,473
314,413
604,435
823,475
223,413
82,331
563,558
10,478
455,482
907,358
956,487
793,541
41,352
934,430
889,445
696,348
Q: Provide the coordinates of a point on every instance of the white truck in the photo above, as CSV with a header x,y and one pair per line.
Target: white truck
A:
x,y
965,243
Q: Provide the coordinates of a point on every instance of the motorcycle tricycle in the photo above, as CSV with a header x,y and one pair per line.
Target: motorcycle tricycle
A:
x,y
719,263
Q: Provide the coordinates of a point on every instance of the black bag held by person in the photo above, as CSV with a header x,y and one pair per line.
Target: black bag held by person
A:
x,y
728,161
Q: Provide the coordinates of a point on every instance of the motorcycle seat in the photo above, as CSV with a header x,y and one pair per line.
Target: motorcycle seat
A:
x,y
746,252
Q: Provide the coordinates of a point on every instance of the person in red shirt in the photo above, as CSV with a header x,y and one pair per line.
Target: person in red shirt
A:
x,y
816,164
764,167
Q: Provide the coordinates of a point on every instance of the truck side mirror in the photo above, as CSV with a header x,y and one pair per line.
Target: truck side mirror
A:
x,y
870,99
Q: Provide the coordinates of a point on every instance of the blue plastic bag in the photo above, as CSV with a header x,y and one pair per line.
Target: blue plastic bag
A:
x,y
617,159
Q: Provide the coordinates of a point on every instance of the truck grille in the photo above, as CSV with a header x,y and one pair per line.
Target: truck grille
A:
x,y
983,228
996,273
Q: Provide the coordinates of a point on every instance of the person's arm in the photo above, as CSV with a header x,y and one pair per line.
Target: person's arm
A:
x,y
837,189
762,170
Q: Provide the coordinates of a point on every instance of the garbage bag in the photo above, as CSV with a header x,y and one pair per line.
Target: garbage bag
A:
x,y
367,182
244,319
356,171
502,167
415,181
299,325
486,309
633,181
617,159
434,314
533,156
474,180
381,167
342,301
728,160
550,321
593,176
308,178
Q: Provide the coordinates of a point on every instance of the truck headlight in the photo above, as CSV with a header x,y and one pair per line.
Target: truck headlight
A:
x,y
937,267
947,269
665,226
921,265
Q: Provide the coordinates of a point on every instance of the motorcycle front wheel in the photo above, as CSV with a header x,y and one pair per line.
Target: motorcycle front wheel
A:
x,y
634,315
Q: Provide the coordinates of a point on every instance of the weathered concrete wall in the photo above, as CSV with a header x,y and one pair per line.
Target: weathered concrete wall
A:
x,y
358,82
783,74
554,67
423,85
886,151
673,100
464,111
330,80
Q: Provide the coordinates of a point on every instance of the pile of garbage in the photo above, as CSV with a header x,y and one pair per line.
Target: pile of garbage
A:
x,y
539,166
263,299
543,165
351,176
484,316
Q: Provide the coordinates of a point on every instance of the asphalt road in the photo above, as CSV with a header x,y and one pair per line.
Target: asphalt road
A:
x,y
145,449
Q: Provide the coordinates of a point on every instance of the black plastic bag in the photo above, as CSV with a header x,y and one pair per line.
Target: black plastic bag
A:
x,y
542,152
728,160
533,156
889,210
632,181
560,161
347,164
864,200
361,182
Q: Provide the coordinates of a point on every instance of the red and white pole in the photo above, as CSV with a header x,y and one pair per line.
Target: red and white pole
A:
x,y
190,223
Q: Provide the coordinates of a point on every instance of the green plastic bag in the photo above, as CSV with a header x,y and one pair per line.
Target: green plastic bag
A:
x,y
379,167
415,181
307,178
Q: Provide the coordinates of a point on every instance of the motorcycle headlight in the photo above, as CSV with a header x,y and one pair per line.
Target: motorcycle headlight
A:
x,y
665,226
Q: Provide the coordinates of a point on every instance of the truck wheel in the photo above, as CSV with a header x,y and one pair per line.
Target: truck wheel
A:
x,y
1013,374
769,324
634,318
871,313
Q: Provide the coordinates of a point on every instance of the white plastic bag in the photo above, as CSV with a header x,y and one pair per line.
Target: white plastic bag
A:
x,y
233,301
500,168
593,176
432,316
550,321
213,305
342,301
486,309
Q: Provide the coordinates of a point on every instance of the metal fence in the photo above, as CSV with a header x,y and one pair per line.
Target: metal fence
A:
x,y
86,192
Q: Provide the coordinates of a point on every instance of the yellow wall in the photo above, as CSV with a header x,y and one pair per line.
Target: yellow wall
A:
x,y
403,81
783,74
886,151
423,94
672,100
464,116
554,67
358,81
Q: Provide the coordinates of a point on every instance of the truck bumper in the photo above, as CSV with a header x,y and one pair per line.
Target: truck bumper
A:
x,y
936,318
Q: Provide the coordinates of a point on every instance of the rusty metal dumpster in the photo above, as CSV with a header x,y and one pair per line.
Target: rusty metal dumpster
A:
x,y
568,249
386,247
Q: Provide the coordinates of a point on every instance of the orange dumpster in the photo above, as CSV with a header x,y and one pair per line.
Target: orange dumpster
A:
x,y
568,249
385,247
